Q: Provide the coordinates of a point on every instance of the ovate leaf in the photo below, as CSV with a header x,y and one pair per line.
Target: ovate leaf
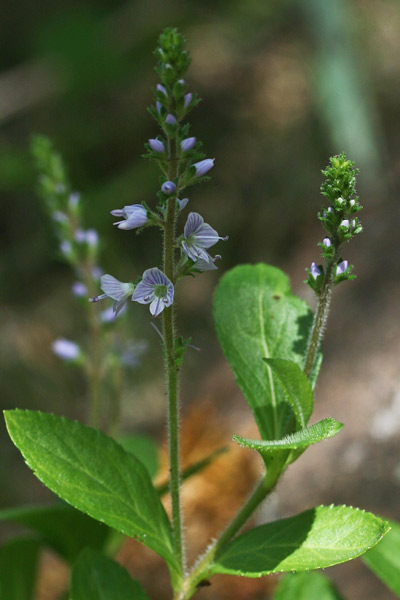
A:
x,y
384,559
306,586
300,440
61,527
258,317
93,473
18,563
296,387
315,539
96,577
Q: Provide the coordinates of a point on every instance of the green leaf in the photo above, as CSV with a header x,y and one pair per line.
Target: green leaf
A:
x,y
384,559
306,586
96,577
322,430
296,388
258,317
144,448
18,563
93,473
315,539
63,528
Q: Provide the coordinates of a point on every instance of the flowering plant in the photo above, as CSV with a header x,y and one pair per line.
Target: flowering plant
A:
x,y
273,344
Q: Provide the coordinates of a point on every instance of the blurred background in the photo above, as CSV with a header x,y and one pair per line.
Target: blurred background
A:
x,y
284,86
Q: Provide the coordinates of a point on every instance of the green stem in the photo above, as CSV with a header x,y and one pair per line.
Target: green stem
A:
x,y
201,571
320,317
171,367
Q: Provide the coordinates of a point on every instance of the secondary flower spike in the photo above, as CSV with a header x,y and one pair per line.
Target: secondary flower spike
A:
x,y
197,237
115,289
135,216
154,289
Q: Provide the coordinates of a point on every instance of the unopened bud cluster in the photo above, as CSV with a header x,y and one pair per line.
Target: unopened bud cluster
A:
x,y
340,222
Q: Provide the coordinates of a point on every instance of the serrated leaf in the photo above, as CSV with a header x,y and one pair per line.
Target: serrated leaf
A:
x,y
96,577
306,586
144,448
62,527
314,539
384,559
296,387
93,473
18,564
317,432
258,317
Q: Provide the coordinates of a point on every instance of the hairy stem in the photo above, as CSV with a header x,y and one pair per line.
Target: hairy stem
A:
x,y
201,570
320,317
171,366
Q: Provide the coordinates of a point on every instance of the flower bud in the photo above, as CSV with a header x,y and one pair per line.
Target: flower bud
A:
x,y
203,166
345,223
187,100
161,89
342,267
327,242
171,120
168,188
156,145
315,271
188,144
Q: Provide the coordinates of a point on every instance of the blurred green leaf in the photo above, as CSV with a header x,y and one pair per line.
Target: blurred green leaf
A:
x,y
96,577
93,473
18,564
315,539
144,448
258,317
63,528
384,559
306,586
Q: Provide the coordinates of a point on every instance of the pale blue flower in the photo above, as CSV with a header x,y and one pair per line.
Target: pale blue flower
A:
x,y
197,237
182,203
156,145
315,271
135,216
74,200
168,187
204,265
203,166
66,248
65,349
116,290
154,289
342,267
188,144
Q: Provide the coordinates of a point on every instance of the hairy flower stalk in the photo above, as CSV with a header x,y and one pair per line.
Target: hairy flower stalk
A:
x,y
339,187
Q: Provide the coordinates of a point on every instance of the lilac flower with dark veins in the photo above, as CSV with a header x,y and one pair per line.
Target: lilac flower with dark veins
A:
x,y
197,237
202,265
156,145
65,349
154,289
342,267
168,187
203,166
188,144
115,289
315,271
135,216
170,120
